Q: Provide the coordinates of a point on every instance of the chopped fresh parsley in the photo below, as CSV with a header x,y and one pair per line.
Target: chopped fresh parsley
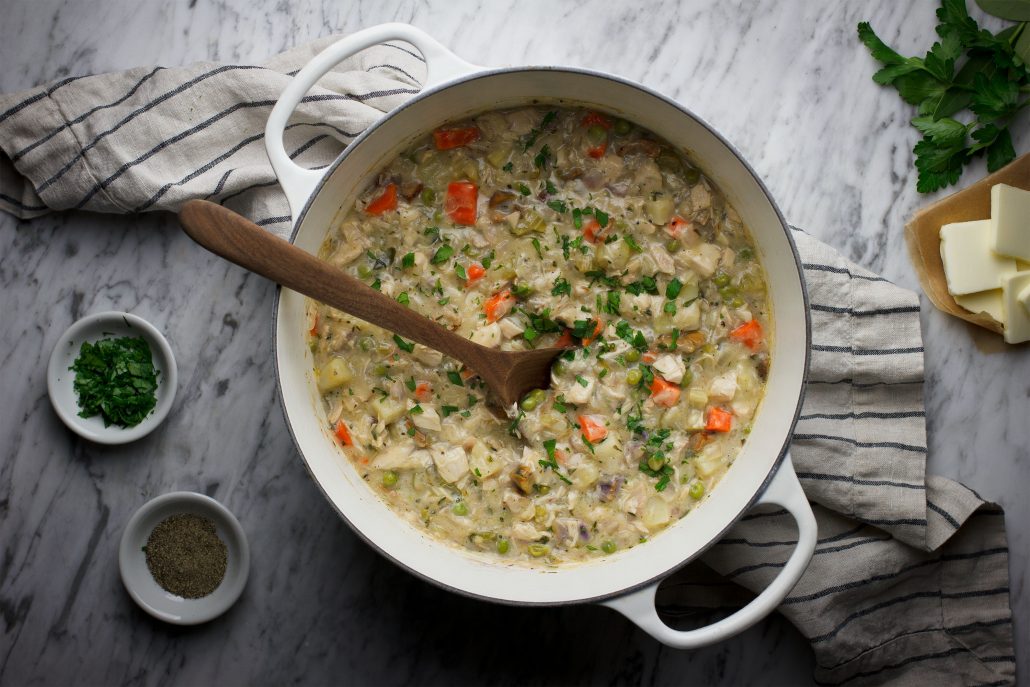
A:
x,y
443,254
403,345
508,167
581,381
455,378
408,260
536,246
410,383
561,286
460,271
543,157
448,410
523,189
403,298
551,462
611,306
632,243
115,378
672,290
558,206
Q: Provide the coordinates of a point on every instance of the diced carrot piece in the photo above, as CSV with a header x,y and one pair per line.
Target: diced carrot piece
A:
x,y
460,202
423,391
467,373
565,340
445,139
343,434
749,334
560,456
498,305
719,420
677,226
648,357
592,428
596,118
664,393
598,328
475,272
386,201
591,229
598,150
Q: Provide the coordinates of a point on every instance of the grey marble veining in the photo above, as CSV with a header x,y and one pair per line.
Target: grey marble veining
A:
x,y
785,81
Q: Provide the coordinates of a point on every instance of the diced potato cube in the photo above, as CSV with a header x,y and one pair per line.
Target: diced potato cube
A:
x,y
655,513
388,410
697,397
333,374
711,460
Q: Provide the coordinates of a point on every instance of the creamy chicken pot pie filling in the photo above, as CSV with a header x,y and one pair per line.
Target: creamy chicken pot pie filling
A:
x,y
547,226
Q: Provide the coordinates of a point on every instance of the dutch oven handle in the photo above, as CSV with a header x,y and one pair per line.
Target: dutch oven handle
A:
x,y
784,490
299,183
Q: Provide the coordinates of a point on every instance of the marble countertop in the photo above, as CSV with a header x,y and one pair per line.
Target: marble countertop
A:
x,y
786,81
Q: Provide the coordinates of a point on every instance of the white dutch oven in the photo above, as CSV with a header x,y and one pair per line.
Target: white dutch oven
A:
x,y
761,474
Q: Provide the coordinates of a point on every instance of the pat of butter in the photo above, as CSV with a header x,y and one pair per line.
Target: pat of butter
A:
x,y
1010,221
969,264
1017,318
1024,298
984,301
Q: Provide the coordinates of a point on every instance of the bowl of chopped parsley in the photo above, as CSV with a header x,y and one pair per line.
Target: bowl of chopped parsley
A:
x,y
112,377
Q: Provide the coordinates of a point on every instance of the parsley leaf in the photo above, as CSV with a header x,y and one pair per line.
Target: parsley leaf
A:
x,y
403,345
443,254
561,286
115,378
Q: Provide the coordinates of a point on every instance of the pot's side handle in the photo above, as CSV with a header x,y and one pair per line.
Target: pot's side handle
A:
x,y
784,490
299,183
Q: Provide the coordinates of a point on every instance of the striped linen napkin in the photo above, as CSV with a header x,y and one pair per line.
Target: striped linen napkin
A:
x,y
909,582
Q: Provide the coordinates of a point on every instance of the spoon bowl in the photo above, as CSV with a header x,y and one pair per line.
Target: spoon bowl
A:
x,y
508,374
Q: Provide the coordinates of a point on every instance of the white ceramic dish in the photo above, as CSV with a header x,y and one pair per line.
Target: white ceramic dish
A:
x,y
762,473
140,583
60,378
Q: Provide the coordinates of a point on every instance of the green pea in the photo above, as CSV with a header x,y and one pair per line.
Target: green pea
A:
x,y
721,279
538,550
366,343
696,490
502,546
737,302
596,135
542,489
656,462
364,271
533,399
745,253
521,290
621,127
460,508
380,370
428,196
389,478
609,546
728,292
692,175
673,246
634,376
668,161
688,377
632,355
559,368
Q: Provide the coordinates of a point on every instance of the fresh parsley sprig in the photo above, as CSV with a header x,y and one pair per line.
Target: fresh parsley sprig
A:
x,y
992,84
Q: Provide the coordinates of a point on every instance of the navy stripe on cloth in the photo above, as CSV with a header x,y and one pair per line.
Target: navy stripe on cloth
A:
x,y
859,481
862,444
865,351
898,415
865,313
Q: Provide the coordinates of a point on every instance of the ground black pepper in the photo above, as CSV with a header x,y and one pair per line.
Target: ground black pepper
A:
x,y
186,556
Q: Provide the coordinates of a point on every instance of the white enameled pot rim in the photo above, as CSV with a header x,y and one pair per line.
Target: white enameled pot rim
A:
x,y
774,466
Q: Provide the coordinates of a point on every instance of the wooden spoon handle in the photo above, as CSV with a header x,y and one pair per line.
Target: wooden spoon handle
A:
x,y
238,240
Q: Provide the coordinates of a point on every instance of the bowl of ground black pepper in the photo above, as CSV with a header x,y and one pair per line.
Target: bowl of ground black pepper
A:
x,y
184,558
112,377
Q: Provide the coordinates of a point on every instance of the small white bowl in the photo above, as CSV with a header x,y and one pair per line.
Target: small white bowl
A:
x,y
145,591
60,377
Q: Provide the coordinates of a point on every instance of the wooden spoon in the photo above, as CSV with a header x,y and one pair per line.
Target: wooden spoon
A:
x,y
510,374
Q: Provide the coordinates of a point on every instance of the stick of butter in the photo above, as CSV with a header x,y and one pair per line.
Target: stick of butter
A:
x,y
969,263
1024,298
1010,221
984,301
1017,317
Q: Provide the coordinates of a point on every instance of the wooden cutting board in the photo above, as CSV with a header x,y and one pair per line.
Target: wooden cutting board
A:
x,y
922,234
